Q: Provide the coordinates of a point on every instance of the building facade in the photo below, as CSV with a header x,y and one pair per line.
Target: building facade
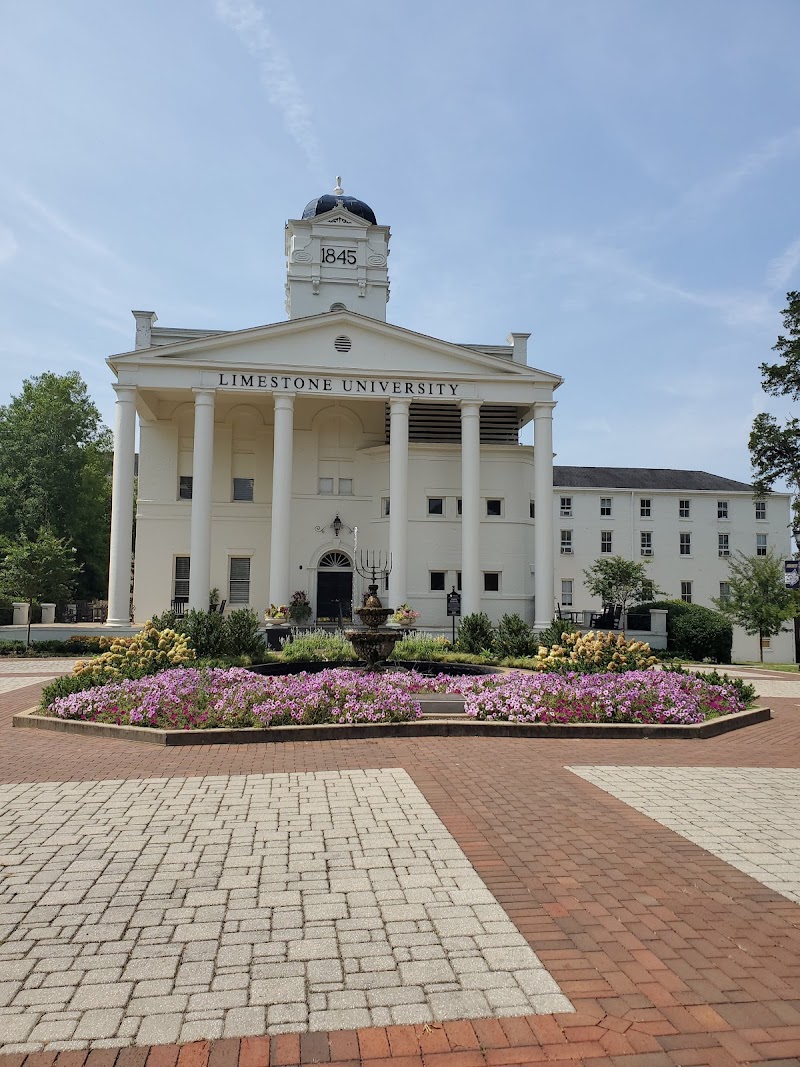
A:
x,y
272,458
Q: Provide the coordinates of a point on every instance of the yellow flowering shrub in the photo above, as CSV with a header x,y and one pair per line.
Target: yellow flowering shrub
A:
x,y
147,652
591,652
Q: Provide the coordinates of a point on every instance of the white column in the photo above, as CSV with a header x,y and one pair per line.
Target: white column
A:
x,y
119,569
398,501
470,506
281,536
202,471
543,496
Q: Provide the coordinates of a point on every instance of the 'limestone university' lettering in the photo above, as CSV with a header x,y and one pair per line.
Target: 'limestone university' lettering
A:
x,y
370,386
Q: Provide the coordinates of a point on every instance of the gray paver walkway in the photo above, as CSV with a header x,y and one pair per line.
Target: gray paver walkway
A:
x,y
161,910
747,816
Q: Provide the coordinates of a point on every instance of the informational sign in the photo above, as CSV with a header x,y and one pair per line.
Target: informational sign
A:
x,y
453,603
791,573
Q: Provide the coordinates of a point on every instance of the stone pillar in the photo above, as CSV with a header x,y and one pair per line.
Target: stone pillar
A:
x,y
398,501
119,571
281,536
48,613
21,612
470,507
543,496
202,472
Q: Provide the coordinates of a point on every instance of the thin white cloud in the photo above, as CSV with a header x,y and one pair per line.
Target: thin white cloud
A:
x,y
781,269
44,219
247,20
8,245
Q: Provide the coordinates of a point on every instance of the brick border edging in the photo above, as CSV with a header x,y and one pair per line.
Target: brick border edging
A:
x,y
31,719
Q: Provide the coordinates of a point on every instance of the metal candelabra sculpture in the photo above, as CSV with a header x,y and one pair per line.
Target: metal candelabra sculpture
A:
x,y
374,565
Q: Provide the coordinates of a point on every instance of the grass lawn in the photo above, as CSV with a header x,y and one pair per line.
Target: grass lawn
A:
x,y
791,667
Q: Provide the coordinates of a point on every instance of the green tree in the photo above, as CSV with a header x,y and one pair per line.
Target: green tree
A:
x,y
55,471
775,447
617,580
41,569
759,600
783,378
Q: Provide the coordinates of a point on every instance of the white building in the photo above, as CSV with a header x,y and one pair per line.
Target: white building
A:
x,y
263,450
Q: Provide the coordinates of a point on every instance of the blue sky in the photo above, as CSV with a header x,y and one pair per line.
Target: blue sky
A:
x,y
619,177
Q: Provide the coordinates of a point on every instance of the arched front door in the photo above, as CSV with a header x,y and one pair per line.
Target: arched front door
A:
x,y
335,588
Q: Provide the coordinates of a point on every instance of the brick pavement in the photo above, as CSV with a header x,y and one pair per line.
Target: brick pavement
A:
x,y
669,955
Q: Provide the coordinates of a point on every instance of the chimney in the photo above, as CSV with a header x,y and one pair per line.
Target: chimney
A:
x,y
144,325
519,342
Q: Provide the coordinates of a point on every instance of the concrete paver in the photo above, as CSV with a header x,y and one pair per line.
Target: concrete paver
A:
x,y
310,872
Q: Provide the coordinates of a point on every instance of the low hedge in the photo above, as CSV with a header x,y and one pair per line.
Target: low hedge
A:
x,y
694,631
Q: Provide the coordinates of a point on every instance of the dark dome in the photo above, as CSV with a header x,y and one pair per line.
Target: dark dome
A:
x,y
320,204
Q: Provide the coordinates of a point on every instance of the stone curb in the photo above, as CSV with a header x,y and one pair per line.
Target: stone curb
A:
x,y
429,727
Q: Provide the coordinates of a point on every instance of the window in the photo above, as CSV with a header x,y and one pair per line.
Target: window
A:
x,y
345,487
180,587
185,487
566,592
648,589
761,509
684,509
437,581
239,588
686,544
242,488
766,642
566,542
725,591
385,505
605,540
458,581
532,511
494,507
459,506
723,544
436,506
686,592
646,542
491,581
761,544
325,486
566,506
722,509
605,505
644,508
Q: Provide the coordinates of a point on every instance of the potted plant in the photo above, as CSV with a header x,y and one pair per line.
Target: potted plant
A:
x,y
405,616
276,615
299,608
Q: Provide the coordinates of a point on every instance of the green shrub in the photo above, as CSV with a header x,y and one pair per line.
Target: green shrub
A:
x,y
555,632
165,621
318,645
206,631
695,632
78,645
475,634
513,637
12,648
72,683
241,634
745,692
420,646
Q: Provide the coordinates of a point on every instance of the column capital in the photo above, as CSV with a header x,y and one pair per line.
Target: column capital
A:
x,y
399,403
543,409
469,407
126,394
283,401
204,396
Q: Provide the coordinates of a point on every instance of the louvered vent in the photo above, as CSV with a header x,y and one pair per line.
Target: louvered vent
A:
x,y
500,423
342,344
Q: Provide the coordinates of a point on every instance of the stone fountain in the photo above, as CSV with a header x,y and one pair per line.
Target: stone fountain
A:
x,y
373,641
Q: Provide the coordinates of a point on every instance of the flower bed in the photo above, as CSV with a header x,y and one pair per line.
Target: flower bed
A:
x,y
191,698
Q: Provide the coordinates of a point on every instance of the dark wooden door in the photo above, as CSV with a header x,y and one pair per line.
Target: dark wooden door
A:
x,y
334,595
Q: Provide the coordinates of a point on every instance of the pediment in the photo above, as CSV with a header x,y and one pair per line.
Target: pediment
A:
x,y
341,342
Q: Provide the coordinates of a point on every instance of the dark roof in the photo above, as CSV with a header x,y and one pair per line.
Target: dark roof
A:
x,y
320,204
644,478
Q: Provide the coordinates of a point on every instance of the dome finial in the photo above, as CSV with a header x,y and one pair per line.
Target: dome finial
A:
x,y
338,191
